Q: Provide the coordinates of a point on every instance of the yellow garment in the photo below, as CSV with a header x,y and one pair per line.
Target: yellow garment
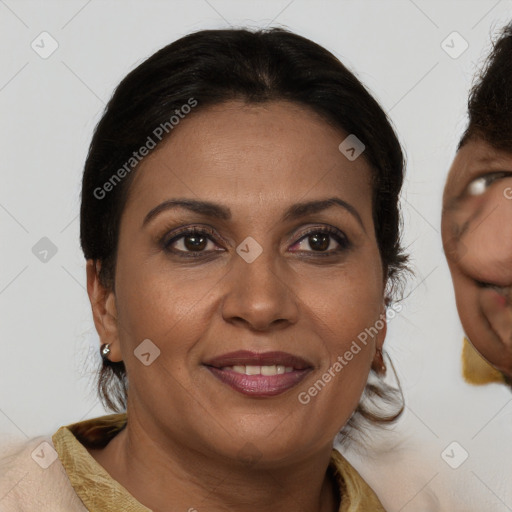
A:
x,y
475,369
100,492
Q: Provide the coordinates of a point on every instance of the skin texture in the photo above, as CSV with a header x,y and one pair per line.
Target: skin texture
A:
x,y
477,237
189,434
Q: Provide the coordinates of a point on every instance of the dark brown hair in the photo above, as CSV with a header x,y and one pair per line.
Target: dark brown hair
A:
x,y
211,67
490,99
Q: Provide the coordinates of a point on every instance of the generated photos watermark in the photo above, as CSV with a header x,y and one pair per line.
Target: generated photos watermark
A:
x,y
156,136
305,397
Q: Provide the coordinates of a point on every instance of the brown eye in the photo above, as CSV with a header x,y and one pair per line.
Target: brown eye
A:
x,y
195,242
323,241
319,241
190,241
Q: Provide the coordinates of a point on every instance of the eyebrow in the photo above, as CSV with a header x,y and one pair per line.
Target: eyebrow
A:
x,y
219,211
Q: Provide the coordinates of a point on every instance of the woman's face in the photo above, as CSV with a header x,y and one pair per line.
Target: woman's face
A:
x,y
477,236
253,288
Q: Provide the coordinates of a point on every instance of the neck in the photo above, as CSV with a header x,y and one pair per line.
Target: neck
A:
x,y
158,473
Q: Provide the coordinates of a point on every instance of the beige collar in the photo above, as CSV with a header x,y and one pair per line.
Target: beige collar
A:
x,y
99,491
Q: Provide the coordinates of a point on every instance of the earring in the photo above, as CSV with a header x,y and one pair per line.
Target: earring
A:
x,y
105,351
379,365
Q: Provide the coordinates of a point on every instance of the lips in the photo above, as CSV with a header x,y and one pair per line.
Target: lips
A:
x,y
247,358
259,374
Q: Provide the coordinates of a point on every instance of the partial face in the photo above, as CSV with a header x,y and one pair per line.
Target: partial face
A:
x,y
477,237
250,285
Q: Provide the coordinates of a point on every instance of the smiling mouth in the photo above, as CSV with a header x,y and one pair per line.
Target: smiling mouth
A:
x,y
259,374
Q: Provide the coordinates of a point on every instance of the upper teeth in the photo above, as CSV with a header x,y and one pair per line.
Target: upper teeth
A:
x,y
260,370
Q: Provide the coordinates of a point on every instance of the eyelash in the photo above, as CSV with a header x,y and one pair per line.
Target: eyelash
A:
x,y
183,233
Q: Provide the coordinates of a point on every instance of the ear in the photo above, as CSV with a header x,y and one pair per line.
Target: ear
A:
x,y
104,310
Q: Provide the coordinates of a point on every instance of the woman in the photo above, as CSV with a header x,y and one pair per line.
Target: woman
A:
x,y
240,224
477,221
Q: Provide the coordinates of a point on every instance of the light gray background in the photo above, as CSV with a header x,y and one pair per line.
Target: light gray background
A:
x,y
49,348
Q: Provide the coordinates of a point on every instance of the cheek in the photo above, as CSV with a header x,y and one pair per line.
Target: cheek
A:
x,y
470,313
347,297
348,314
336,390
465,295
352,312
466,307
167,309
156,300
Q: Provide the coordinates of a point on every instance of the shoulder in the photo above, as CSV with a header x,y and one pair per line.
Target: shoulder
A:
x,y
33,478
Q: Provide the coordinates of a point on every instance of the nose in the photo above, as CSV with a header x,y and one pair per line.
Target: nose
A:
x,y
259,295
488,240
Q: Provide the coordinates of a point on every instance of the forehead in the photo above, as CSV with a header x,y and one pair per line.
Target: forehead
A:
x,y
480,154
271,151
